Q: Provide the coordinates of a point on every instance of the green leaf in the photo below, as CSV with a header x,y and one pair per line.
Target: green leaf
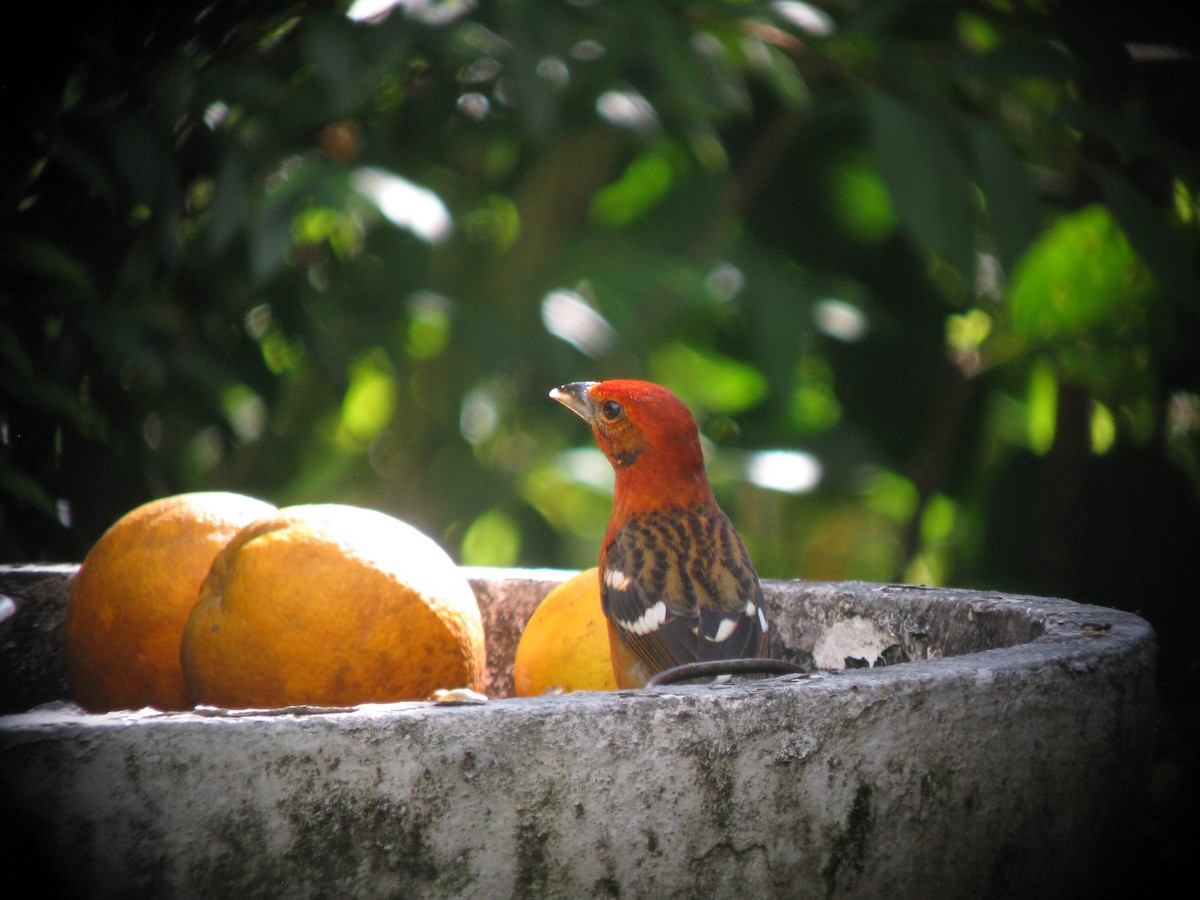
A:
x,y
44,259
1160,247
645,181
25,488
1131,137
1021,59
331,51
924,169
878,17
229,204
270,237
781,73
1011,202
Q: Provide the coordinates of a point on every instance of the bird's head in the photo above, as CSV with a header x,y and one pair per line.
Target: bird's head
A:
x,y
647,433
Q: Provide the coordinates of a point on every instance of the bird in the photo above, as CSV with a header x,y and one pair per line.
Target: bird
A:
x,y
676,583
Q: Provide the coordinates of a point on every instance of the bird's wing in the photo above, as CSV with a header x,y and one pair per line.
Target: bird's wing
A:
x,y
679,587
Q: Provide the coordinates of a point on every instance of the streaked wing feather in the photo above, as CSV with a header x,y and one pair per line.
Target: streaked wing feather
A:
x,y
692,562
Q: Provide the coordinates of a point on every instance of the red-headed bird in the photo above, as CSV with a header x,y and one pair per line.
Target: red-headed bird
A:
x,y
676,583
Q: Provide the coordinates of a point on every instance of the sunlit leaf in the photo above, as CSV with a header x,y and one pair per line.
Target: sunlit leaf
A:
x,y
892,494
573,492
861,202
1080,273
966,332
1103,429
814,404
1041,407
497,222
428,325
369,401
645,181
1187,206
938,519
281,355
708,381
976,32
493,539
322,225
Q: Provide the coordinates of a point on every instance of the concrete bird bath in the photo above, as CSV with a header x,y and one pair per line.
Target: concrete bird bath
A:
x,y
978,744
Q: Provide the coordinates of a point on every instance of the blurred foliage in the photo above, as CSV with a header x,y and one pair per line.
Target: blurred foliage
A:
x,y
926,272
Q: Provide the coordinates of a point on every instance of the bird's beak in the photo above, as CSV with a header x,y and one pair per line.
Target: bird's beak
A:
x,y
574,396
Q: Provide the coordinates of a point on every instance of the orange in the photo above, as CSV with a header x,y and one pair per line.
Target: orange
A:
x,y
133,594
565,643
331,605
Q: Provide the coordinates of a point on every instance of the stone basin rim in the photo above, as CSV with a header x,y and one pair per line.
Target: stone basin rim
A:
x,y
1074,635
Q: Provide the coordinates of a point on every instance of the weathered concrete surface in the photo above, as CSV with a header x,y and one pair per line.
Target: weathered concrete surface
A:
x,y
1011,771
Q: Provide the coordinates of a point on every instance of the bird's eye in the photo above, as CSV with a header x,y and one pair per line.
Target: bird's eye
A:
x,y
611,410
